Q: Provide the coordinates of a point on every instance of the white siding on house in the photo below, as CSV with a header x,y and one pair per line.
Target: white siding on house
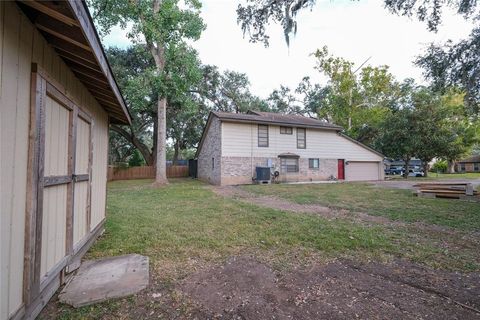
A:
x,y
21,45
240,140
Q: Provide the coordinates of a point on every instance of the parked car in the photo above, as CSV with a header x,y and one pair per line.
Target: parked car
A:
x,y
415,173
396,171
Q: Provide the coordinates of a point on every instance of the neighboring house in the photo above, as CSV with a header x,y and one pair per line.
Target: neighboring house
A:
x,y
57,98
471,164
300,148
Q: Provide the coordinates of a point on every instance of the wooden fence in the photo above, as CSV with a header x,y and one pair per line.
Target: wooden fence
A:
x,y
146,172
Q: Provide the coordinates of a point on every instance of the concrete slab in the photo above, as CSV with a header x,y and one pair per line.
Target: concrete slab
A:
x,y
104,279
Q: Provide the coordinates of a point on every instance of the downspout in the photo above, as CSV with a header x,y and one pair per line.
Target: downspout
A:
x,y
251,151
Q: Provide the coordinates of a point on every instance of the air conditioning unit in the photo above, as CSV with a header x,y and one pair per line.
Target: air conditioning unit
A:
x,y
262,175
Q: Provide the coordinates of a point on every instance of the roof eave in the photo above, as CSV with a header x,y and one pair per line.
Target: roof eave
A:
x,y
280,123
82,15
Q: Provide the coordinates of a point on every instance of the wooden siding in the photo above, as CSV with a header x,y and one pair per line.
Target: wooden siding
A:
x,y
21,45
240,140
80,212
54,227
56,138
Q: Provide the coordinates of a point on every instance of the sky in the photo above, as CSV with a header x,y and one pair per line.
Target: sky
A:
x,y
355,30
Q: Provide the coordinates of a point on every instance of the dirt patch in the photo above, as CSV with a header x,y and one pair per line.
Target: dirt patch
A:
x,y
274,202
243,288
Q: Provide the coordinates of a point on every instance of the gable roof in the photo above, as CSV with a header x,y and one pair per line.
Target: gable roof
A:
x,y
275,118
471,159
68,27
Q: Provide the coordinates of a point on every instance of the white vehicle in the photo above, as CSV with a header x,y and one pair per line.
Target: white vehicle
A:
x,y
415,173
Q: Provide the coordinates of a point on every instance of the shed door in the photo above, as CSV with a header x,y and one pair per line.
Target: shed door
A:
x,y
81,180
55,187
362,171
60,159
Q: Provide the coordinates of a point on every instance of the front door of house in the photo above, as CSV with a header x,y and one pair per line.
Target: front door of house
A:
x,y
341,169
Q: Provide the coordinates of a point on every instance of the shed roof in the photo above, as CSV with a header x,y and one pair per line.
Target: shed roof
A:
x,y
68,27
276,118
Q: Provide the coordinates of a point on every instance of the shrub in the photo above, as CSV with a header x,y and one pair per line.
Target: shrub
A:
x,y
440,166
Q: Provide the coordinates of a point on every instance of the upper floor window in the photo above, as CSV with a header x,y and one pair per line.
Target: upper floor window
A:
x,y
286,130
262,135
301,138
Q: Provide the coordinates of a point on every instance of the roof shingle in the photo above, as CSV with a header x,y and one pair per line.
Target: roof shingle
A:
x,y
276,118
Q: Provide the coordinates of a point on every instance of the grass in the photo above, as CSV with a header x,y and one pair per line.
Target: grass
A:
x,y
395,204
185,219
184,227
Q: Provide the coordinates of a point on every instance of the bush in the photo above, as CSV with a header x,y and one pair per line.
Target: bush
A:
x,y
136,159
440,166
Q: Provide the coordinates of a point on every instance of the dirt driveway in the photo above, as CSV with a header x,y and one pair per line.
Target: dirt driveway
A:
x,y
244,288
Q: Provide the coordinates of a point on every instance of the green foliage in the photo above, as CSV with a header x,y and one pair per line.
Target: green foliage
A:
x,y
166,22
396,138
136,159
356,99
255,15
440,166
227,91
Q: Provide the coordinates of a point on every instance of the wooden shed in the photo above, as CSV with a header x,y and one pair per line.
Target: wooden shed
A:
x,y
57,98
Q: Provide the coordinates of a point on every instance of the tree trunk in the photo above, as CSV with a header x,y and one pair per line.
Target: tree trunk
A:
x,y
130,137
176,152
405,168
154,148
451,166
425,168
161,161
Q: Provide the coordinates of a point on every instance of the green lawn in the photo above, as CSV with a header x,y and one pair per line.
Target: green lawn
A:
x,y
185,226
395,204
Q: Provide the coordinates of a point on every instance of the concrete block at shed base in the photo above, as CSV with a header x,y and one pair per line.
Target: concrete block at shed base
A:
x,y
105,279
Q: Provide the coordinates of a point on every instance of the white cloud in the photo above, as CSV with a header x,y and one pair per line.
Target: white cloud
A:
x,y
354,30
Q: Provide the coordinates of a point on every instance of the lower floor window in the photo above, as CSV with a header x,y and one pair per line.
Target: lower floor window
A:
x,y
462,167
476,166
289,164
313,163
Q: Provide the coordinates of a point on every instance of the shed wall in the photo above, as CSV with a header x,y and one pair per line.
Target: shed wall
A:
x,y
20,46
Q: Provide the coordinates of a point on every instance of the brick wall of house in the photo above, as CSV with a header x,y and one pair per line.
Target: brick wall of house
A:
x,y
469,167
211,153
241,170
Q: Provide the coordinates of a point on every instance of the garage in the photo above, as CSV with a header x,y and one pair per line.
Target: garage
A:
x,y
362,171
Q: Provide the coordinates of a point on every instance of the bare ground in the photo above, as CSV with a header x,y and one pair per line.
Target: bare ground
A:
x,y
244,288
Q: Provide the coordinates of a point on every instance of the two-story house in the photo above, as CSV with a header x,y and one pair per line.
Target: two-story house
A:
x,y
299,148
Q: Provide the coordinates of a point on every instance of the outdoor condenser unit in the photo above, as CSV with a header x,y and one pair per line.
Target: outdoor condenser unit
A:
x,y
262,174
